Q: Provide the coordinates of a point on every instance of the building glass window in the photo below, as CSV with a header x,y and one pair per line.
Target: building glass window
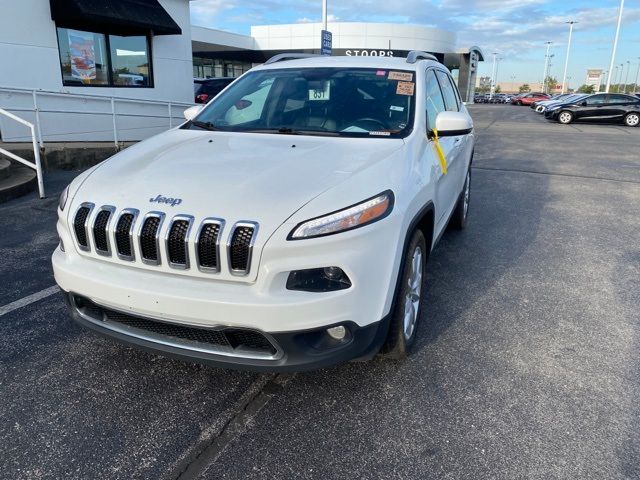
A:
x,y
130,64
98,60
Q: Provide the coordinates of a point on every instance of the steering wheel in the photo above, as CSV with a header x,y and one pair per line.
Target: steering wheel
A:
x,y
378,125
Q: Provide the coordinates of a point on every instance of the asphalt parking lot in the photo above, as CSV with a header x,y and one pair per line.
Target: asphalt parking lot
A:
x,y
527,364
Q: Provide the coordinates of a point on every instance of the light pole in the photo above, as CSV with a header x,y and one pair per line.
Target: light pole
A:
x,y
566,61
615,45
621,73
497,68
635,85
604,74
324,14
493,76
626,79
513,80
615,78
546,59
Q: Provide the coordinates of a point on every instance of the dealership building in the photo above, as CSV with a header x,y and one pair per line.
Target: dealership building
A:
x,y
123,70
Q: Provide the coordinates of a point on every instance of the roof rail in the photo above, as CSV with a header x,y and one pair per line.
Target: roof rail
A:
x,y
289,56
414,55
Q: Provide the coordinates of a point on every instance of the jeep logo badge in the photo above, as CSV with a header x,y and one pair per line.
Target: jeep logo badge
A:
x,y
166,200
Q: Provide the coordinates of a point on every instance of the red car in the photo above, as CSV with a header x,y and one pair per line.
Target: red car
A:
x,y
529,98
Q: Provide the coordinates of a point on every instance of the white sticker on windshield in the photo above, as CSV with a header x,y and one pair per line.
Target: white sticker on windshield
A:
x,y
321,92
396,108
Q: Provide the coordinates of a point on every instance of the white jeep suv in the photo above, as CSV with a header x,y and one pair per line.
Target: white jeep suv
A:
x,y
285,226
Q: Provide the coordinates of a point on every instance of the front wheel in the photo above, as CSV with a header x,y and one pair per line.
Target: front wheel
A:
x,y
565,117
408,302
632,119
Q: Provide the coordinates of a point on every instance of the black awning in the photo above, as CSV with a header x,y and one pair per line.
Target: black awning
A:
x,y
118,17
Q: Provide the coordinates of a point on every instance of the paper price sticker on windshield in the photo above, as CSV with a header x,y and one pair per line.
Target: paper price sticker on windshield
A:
x,y
405,88
323,92
403,76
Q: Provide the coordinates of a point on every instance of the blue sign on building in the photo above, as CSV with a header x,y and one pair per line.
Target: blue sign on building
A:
x,y
325,48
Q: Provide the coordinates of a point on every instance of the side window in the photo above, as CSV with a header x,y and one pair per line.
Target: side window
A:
x,y
435,102
595,100
448,91
620,99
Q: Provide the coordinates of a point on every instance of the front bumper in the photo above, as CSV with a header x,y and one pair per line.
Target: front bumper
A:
x,y
231,347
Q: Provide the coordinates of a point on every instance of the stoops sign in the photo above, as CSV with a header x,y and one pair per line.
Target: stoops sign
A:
x,y
326,40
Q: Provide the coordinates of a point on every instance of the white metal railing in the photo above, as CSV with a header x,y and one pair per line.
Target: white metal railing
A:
x,y
110,99
36,151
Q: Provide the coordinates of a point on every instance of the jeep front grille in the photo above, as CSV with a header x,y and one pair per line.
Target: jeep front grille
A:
x,y
130,234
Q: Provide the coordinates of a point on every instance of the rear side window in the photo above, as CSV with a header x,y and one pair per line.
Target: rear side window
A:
x,y
621,99
450,100
435,101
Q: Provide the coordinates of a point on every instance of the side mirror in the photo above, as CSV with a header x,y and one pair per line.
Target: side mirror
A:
x,y
584,103
450,124
191,112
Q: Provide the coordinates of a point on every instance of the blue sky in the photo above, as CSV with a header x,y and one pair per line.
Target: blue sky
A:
x,y
516,29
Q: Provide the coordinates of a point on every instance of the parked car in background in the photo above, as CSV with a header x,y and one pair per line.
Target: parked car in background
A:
x,y
625,108
207,88
529,98
552,98
542,106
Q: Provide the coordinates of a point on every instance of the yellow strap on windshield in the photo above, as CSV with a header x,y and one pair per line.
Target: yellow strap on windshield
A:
x,y
441,157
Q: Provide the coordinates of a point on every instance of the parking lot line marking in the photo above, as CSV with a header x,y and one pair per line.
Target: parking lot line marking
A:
x,y
23,302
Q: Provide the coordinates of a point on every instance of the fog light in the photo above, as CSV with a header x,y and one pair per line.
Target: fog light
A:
x,y
337,333
327,279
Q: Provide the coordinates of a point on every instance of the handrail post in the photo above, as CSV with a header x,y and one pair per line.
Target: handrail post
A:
x,y
37,112
36,157
115,127
170,119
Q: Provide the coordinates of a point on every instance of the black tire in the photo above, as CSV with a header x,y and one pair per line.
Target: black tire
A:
x,y
632,119
398,343
565,117
459,217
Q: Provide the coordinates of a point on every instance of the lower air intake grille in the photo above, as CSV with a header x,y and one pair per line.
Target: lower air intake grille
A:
x,y
240,248
79,226
235,340
100,230
208,246
123,238
149,239
176,242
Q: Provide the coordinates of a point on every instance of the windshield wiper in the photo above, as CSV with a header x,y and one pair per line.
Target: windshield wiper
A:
x,y
204,125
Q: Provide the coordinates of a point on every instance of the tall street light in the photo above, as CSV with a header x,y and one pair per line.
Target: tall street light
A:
x,y
493,76
620,79
566,61
635,85
615,45
626,79
546,59
615,77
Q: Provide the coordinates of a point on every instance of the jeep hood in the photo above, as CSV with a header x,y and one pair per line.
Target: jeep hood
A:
x,y
234,176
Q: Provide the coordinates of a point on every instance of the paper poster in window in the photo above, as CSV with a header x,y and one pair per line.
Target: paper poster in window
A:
x,y
83,56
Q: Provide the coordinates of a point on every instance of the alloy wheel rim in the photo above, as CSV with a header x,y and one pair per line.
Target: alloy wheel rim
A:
x,y
467,194
565,117
633,120
412,298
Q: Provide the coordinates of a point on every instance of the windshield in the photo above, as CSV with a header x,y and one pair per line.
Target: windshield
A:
x,y
315,101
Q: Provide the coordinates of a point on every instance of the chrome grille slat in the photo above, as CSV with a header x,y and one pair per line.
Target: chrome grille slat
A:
x,y
149,238
81,225
100,230
207,245
177,241
124,234
240,247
